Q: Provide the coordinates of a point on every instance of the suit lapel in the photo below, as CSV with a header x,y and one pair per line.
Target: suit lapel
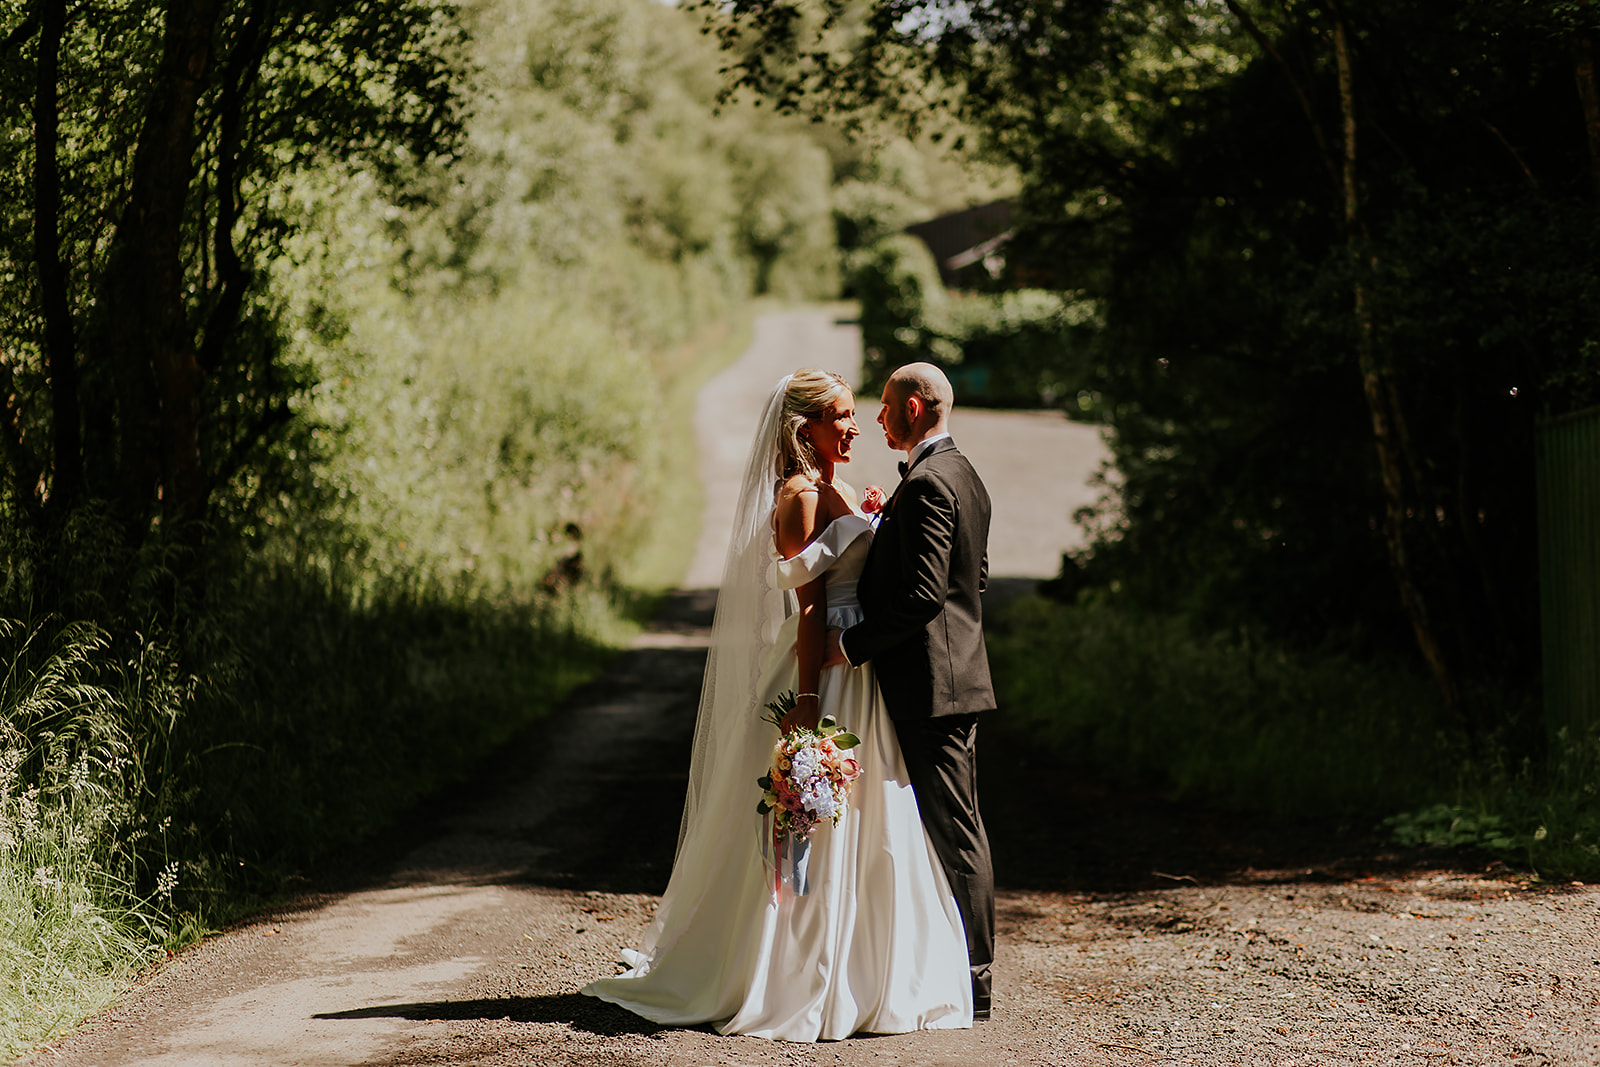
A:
x,y
882,552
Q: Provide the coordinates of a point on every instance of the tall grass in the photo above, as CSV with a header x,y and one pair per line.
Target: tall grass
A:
x,y
1245,723
333,677
338,714
1544,814
659,562
71,920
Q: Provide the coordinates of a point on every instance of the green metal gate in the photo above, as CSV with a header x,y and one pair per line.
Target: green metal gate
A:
x,y
1569,570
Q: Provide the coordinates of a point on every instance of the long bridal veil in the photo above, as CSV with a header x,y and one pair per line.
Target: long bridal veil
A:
x,y
730,737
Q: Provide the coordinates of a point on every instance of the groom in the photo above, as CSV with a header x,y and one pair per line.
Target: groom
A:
x,y
923,630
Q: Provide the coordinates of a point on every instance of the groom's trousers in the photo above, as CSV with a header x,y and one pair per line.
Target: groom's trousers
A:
x,y
940,755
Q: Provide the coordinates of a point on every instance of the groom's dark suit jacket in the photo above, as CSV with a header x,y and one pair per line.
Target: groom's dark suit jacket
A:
x,y
920,591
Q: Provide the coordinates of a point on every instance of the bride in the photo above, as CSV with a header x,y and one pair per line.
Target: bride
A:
x,y
874,943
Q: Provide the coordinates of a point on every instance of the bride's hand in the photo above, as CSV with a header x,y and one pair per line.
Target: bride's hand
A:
x,y
807,714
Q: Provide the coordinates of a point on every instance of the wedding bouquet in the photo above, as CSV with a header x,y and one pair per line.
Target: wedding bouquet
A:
x,y
808,782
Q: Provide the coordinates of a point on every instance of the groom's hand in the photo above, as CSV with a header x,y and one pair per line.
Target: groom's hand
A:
x,y
835,652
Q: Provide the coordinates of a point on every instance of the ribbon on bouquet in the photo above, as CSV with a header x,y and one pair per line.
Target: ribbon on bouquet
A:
x,y
787,859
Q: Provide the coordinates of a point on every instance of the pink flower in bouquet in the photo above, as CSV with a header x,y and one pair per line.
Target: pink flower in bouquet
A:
x,y
850,768
872,499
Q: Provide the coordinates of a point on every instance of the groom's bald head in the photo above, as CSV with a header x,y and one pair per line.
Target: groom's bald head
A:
x,y
927,383
917,400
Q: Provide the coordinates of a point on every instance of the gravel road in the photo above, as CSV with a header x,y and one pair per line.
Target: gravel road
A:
x,y
1133,930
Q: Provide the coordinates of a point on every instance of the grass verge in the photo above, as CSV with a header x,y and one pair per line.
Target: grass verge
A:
x,y
661,560
1262,729
69,775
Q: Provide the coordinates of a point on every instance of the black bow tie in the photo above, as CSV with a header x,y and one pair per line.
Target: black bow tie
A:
x,y
903,468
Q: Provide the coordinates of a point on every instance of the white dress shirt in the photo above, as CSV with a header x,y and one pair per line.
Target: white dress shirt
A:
x,y
921,448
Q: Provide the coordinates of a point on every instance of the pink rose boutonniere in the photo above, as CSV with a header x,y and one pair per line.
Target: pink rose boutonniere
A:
x,y
873,498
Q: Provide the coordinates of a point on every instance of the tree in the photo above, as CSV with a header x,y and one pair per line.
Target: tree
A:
x,y
1342,252
143,149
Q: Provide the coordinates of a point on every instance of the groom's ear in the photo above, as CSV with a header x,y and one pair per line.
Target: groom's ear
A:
x,y
914,408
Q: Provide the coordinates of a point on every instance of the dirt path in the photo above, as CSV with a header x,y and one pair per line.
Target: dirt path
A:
x,y
1132,931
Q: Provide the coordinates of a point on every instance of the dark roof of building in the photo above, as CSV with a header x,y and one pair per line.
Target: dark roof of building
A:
x,y
963,239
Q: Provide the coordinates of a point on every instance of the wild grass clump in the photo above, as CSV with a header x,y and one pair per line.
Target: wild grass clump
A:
x,y
1143,697
1546,815
71,830
144,803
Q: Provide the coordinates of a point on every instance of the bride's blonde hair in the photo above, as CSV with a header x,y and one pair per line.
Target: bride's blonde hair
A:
x,y
809,393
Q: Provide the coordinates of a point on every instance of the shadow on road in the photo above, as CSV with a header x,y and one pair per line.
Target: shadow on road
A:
x,y
575,1009
1056,824
591,799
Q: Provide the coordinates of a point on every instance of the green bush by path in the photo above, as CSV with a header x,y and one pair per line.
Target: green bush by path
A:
x,y
1248,724
1026,348
1142,698
1546,816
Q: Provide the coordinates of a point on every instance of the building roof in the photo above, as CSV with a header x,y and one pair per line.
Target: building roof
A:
x,y
964,240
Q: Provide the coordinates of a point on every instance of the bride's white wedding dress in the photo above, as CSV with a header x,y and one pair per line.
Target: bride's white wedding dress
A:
x,y
877,944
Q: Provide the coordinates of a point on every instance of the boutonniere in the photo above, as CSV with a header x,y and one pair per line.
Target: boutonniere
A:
x,y
873,501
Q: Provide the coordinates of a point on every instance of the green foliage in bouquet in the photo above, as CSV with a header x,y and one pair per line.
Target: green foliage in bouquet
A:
x,y
777,709
828,727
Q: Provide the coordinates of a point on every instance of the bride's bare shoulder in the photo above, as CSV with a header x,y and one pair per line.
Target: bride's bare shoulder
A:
x,y
795,485
798,503
796,513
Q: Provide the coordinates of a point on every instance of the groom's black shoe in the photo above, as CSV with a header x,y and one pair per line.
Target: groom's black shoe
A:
x,y
980,1008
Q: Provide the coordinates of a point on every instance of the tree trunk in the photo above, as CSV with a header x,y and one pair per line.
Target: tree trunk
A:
x,y
159,378
1589,95
233,279
20,461
66,480
1373,388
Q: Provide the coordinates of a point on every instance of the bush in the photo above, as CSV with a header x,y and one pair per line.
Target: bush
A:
x,y
897,283
1545,815
1020,348
1236,720
1226,716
